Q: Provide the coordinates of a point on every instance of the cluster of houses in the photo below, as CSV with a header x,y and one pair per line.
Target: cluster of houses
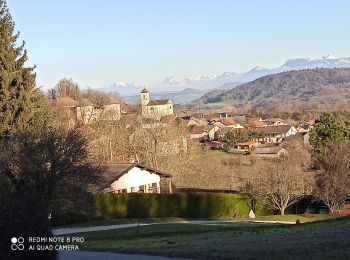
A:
x,y
212,129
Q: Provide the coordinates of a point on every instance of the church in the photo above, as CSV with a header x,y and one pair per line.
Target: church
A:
x,y
155,108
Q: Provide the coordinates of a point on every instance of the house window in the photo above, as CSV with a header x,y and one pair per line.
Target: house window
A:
x,y
124,191
132,189
149,188
142,188
154,188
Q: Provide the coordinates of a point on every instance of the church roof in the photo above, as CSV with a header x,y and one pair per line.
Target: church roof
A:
x,y
144,90
158,102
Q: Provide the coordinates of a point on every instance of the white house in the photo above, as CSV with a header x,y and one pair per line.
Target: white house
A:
x,y
275,134
135,177
206,132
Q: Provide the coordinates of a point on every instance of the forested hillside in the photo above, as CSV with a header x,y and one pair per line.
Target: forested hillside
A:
x,y
316,86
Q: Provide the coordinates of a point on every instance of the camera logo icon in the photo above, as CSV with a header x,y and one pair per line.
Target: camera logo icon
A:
x,y
17,243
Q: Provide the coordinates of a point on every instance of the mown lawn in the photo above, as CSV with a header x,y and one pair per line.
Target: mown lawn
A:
x,y
294,217
328,239
286,218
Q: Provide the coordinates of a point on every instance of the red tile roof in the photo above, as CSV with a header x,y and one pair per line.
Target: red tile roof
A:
x,y
256,123
197,129
228,121
212,116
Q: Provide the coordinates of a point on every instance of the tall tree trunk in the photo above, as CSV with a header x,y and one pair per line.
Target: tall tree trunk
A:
x,y
282,210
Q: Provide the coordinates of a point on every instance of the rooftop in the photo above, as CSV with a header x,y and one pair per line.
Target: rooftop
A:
x,y
280,129
159,102
195,129
65,102
113,171
267,150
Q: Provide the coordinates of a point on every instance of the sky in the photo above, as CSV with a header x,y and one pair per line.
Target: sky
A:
x,y
99,42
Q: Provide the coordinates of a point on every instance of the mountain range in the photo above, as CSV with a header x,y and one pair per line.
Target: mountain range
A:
x,y
210,82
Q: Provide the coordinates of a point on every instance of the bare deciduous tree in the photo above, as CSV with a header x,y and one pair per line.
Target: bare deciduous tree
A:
x,y
134,138
333,178
281,184
65,88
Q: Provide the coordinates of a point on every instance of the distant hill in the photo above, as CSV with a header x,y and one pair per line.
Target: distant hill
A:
x,y
179,97
323,86
212,96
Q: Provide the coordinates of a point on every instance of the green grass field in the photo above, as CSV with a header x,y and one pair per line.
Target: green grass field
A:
x,y
286,218
329,239
292,218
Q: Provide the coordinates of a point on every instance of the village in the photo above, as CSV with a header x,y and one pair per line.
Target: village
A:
x,y
150,131
224,132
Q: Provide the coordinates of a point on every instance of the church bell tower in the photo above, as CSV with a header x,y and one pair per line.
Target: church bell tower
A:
x,y
144,97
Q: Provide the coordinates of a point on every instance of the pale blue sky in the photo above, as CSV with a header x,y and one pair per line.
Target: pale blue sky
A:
x,y
98,42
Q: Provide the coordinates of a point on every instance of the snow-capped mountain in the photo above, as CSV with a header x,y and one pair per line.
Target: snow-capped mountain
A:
x,y
307,63
122,88
209,82
212,82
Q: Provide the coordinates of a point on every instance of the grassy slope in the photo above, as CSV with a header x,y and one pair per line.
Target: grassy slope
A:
x,y
317,240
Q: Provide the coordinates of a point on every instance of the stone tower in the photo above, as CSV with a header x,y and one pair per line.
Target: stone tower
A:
x,y
144,97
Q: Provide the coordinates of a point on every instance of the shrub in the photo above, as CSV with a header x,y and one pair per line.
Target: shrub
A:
x,y
185,205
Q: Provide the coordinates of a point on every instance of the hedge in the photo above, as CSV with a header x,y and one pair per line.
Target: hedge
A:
x,y
184,205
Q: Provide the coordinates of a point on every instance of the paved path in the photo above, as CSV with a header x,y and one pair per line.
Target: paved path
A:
x,y
85,255
275,222
65,231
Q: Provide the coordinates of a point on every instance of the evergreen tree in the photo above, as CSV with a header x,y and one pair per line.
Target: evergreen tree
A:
x,y
327,131
234,137
17,82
